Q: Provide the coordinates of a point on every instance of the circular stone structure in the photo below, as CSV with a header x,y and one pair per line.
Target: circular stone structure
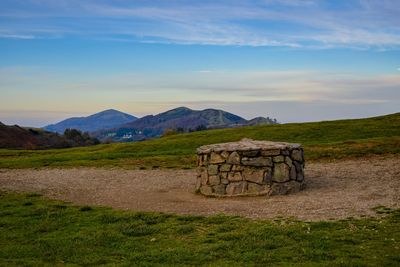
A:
x,y
250,168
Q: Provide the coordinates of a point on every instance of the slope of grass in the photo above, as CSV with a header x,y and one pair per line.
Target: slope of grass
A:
x,y
35,231
321,140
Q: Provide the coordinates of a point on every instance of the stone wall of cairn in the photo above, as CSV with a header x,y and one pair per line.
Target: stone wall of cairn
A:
x,y
250,168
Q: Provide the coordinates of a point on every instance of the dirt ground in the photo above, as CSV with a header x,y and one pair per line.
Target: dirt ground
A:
x,y
347,188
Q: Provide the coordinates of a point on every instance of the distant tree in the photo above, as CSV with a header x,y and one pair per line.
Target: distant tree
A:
x,y
108,140
77,138
35,132
72,134
201,128
169,132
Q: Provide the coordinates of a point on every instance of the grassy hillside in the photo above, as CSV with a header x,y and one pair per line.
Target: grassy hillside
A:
x,y
322,141
16,137
38,232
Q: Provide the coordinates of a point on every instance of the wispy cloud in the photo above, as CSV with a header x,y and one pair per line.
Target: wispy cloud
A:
x,y
40,86
16,36
294,95
291,23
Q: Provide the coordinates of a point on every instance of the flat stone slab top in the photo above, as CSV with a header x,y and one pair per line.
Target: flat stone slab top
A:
x,y
250,168
244,145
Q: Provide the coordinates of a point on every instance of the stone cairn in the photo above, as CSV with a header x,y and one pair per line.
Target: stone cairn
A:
x,y
250,168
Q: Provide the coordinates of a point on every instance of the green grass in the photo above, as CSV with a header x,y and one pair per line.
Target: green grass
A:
x,y
322,141
35,231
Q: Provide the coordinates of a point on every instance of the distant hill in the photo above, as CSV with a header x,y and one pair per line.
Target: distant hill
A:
x,y
103,120
16,137
181,119
261,121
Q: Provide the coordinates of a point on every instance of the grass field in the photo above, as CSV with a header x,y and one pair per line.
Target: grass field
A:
x,y
35,231
41,232
322,141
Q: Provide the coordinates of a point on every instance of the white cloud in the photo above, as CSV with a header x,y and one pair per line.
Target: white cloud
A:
x,y
16,36
363,24
204,71
288,95
45,88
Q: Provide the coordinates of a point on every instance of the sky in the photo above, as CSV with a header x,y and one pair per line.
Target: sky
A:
x,y
294,60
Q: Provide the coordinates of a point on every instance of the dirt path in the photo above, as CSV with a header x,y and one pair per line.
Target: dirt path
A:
x,y
334,190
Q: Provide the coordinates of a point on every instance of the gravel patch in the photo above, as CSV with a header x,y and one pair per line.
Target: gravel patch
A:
x,y
336,190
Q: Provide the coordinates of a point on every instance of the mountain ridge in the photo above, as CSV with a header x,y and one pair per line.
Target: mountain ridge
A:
x,y
105,119
181,119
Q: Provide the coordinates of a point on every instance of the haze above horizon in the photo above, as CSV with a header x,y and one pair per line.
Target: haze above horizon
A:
x,y
288,59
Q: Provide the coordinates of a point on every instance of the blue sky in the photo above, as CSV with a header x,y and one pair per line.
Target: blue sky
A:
x,y
290,59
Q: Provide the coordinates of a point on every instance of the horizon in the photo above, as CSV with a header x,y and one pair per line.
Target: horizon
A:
x,y
139,117
292,60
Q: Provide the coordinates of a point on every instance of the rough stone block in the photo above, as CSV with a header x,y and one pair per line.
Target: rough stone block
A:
x,y
259,161
234,158
198,183
212,169
219,189
251,153
206,190
204,178
224,181
280,173
234,176
214,180
255,175
236,188
225,154
297,155
299,166
293,173
285,152
288,161
216,158
223,175
268,176
205,159
300,176
225,167
255,189
200,170
285,188
237,168
279,158
270,152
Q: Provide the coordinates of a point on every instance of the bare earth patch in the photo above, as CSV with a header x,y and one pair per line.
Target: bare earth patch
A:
x,y
348,188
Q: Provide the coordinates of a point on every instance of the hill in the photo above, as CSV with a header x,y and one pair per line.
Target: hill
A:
x,y
16,137
103,120
181,119
325,140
